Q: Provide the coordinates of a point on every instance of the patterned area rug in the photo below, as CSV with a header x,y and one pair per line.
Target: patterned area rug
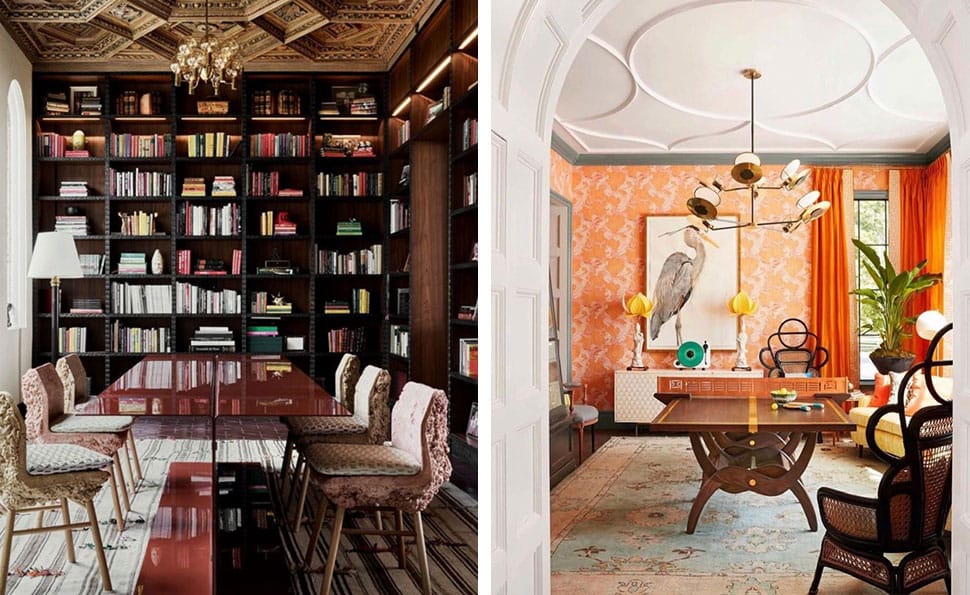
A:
x,y
619,526
40,566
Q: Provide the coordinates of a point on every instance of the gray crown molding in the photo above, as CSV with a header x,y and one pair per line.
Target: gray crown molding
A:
x,y
567,152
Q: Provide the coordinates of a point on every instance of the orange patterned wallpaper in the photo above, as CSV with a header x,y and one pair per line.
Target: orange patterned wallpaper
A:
x,y
609,205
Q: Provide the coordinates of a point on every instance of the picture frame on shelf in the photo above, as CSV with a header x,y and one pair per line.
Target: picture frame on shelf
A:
x,y
403,301
76,93
472,428
343,95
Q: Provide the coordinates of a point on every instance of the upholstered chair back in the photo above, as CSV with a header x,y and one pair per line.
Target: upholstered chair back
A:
x,y
419,425
75,380
13,445
348,373
43,393
371,403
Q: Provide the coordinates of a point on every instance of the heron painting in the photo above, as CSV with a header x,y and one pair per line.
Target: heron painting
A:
x,y
691,276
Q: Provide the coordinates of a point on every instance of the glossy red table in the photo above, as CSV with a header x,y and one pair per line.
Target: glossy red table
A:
x,y
182,548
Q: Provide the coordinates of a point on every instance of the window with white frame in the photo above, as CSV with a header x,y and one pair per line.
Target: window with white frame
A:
x,y
872,228
17,217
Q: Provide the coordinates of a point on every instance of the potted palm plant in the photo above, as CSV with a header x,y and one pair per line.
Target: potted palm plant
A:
x,y
884,307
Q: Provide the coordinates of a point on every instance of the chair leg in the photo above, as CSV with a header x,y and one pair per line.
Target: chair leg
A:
x,y
859,446
5,556
98,546
285,467
338,523
298,520
592,439
378,520
422,553
122,488
68,535
402,552
134,453
580,444
133,483
40,518
315,534
818,578
296,475
113,486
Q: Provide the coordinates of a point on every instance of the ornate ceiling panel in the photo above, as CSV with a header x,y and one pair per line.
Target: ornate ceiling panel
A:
x,y
60,34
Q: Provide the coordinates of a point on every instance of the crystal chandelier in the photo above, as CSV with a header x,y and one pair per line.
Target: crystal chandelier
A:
x,y
208,59
747,172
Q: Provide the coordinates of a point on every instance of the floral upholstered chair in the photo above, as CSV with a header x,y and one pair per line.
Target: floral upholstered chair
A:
x,y
43,392
368,425
348,372
404,474
43,477
75,380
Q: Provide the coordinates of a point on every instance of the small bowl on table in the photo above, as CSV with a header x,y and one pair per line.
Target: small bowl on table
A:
x,y
783,397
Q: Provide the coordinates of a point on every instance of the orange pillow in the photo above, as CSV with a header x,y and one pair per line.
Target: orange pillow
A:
x,y
880,396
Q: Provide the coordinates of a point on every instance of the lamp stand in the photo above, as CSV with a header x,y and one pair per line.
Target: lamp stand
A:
x,y
55,317
741,363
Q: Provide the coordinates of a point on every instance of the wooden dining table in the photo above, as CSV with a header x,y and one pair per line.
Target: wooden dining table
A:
x,y
743,444
187,558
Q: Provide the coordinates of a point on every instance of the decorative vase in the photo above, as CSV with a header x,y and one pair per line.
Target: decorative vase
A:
x,y
157,262
887,364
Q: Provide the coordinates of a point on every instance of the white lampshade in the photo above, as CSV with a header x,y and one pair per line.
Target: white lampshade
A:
x,y
55,255
747,158
929,323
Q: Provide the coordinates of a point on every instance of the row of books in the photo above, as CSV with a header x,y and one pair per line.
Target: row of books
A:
x,y
51,144
368,261
470,189
468,357
400,215
87,105
208,144
359,303
129,298
132,263
86,306
198,220
283,103
76,225
212,339
221,186
129,103
342,340
140,145
190,299
264,303
282,144
140,183
404,132
71,188
276,223
72,339
359,184
206,266
138,223
139,340
469,133
400,340
263,183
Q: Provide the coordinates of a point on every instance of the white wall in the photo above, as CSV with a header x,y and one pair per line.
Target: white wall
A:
x,y
14,345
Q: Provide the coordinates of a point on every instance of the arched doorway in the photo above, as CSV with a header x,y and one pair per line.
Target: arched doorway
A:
x,y
535,42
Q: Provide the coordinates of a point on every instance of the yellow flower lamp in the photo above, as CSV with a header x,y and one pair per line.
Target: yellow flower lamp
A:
x,y
637,307
741,305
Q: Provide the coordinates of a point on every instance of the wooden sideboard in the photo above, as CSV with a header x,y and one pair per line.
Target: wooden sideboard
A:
x,y
633,390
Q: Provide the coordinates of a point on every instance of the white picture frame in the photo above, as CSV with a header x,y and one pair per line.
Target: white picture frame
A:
x,y
705,316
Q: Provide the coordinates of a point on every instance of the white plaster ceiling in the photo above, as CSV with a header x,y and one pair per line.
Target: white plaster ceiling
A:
x,y
664,76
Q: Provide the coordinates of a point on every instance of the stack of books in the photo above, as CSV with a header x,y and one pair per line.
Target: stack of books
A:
x,y
328,108
290,192
363,106
89,105
282,226
224,186
359,304
86,306
132,263
468,357
336,307
264,338
364,148
210,266
91,264
76,225
193,187
263,304
77,153
73,188
212,339
349,228
56,104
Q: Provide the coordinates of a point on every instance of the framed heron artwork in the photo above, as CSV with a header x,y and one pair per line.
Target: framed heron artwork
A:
x,y
692,273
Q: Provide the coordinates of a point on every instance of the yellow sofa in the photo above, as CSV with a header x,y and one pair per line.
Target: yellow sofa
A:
x,y
889,435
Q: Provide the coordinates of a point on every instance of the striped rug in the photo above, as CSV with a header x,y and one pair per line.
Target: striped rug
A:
x,y
38,563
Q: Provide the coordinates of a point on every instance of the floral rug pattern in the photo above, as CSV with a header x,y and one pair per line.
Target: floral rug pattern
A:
x,y
619,525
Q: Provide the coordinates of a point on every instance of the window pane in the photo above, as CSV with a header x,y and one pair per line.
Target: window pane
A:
x,y
872,228
872,222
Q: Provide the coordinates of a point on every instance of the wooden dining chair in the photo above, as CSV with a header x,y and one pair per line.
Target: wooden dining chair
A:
x,y
41,477
584,416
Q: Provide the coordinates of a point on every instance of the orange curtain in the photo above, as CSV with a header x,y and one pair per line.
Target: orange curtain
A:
x,y
923,197
830,299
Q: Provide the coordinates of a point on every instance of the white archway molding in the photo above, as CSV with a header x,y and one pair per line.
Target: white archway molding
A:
x,y
535,43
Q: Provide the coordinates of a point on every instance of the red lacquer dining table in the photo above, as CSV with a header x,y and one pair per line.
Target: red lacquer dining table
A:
x,y
214,387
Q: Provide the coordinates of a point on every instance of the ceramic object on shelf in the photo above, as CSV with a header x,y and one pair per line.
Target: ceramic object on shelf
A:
x,y
157,262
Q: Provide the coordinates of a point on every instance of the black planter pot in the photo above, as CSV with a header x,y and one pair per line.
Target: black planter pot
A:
x,y
887,364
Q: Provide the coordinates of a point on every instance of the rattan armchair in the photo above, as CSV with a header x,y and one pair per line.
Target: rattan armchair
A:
x,y
909,512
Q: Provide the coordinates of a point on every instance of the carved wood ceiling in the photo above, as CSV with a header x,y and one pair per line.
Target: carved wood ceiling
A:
x,y
290,34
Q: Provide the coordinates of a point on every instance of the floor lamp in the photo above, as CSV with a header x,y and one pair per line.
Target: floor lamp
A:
x,y
55,258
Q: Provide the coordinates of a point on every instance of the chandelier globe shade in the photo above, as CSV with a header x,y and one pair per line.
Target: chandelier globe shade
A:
x,y
207,59
748,173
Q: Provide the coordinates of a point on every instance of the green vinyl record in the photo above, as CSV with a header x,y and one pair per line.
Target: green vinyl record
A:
x,y
690,354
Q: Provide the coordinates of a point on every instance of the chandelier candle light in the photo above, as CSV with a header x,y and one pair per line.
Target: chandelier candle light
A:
x,y
747,172
207,59
741,305
637,307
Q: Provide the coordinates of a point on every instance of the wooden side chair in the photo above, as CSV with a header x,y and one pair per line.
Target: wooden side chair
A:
x,y
75,380
584,416
403,475
43,393
40,477
347,375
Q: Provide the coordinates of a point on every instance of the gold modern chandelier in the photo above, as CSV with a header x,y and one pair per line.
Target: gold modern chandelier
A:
x,y
747,172
207,59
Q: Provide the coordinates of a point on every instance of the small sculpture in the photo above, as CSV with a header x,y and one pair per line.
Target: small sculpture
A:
x,y
637,307
279,300
741,305
157,263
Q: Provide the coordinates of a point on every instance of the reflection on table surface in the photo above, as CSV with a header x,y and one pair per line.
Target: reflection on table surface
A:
x,y
214,385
